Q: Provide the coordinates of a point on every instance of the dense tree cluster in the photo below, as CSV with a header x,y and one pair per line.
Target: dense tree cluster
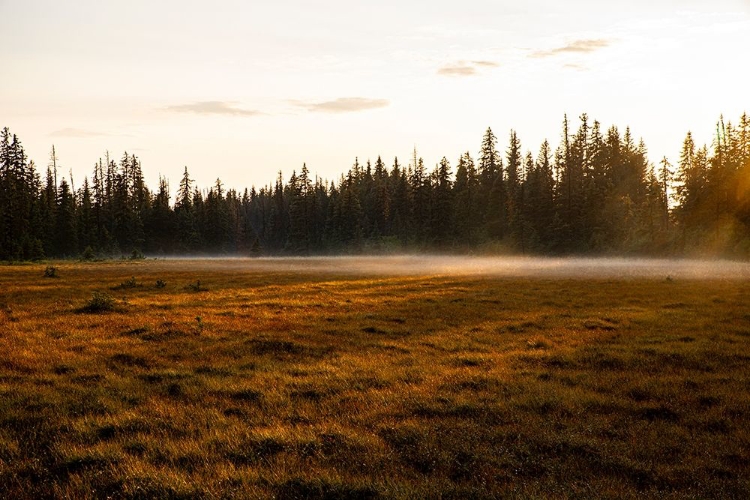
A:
x,y
596,193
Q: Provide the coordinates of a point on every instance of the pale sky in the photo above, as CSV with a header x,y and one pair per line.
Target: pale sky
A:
x,y
242,89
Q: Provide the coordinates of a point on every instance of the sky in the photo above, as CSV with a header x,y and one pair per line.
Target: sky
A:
x,y
240,90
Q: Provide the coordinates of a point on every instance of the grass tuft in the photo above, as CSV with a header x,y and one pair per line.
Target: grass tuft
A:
x,y
99,303
196,287
127,284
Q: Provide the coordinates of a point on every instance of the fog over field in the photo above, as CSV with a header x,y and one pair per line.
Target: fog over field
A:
x,y
532,267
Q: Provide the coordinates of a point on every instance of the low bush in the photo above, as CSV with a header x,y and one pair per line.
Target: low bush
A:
x,y
99,302
130,283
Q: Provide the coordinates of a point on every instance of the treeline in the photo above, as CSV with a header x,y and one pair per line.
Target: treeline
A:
x,y
595,193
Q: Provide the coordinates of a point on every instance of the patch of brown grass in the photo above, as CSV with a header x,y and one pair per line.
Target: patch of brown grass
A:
x,y
325,386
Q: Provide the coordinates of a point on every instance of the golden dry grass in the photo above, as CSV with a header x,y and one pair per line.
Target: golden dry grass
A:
x,y
323,385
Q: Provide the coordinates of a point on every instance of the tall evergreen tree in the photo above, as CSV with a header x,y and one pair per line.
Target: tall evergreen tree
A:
x,y
466,204
66,233
513,187
489,166
400,206
442,205
185,215
86,222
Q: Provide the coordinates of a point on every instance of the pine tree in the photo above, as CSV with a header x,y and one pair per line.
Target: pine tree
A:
x,y
543,199
526,237
350,213
317,209
216,226
160,226
100,233
490,164
597,187
690,184
48,209
298,241
442,205
513,156
490,169
140,201
187,233
513,187
665,179
66,234
86,222
399,214
466,208
278,217
17,195
419,201
382,201
568,168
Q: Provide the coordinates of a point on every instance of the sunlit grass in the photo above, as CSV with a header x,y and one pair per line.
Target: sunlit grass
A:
x,y
317,385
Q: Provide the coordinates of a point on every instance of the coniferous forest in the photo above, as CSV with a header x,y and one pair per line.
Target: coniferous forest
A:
x,y
596,193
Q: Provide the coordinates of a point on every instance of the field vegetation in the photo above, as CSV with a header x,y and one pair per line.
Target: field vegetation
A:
x,y
202,379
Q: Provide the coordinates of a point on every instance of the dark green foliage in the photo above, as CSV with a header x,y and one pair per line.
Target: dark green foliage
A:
x,y
99,302
127,284
596,193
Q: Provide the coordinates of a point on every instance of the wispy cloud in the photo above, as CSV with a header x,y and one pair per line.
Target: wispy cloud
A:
x,y
343,105
577,67
457,70
213,108
75,132
485,64
574,47
465,68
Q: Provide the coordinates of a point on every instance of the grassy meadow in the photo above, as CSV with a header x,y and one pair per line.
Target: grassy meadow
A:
x,y
214,379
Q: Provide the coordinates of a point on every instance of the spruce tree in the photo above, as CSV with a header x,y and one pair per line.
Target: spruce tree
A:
x,y
400,208
86,221
441,228
66,234
187,237
513,187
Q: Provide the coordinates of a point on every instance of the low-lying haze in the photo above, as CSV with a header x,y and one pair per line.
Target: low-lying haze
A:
x,y
496,267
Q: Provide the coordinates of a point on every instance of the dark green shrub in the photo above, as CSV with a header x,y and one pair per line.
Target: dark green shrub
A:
x,y
99,302
131,283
